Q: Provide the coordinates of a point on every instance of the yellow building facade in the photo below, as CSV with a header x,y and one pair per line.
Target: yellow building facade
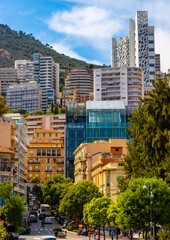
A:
x,y
101,162
45,155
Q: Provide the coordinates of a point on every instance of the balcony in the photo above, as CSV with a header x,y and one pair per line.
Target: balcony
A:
x,y
33,170
60,170
60,162
33,162
48,170
5,169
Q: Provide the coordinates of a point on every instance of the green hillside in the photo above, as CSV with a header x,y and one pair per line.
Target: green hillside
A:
x,y
18,45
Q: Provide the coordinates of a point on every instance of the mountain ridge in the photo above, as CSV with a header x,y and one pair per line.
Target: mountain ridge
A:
x,y
19,45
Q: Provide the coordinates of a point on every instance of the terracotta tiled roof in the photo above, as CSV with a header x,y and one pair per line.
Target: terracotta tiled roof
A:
x,y
5,149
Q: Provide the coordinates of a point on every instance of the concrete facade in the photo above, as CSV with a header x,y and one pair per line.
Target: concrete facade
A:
x,y
125,84
25,95
24,70
8,77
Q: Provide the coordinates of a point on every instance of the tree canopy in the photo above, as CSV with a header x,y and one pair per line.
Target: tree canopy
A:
x,y
149,131
3,107
55,188
79,194
13,206
134,204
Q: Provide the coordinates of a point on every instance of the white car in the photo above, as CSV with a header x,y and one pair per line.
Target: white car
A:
x,y
48,220
48,238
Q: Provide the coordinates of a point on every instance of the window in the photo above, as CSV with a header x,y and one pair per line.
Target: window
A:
x,y
108,181
117,149
53,168
123,97
37,134
42,168
54,160
48,160
56,134
120,164
43,134
122,73
49,134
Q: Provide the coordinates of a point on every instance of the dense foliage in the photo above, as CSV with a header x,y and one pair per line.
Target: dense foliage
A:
x,y
19,45
149,147
79,194
13,206
55,188
3,231
134,204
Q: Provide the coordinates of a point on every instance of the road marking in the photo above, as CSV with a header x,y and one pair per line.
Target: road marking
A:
x,y
36,238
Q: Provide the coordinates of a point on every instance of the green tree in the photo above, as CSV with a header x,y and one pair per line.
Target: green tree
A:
x,y
13,210
13,206
112,213
35,180
37,189
3,231
38,112
134,204
149,131
55,188
3,107
95,212
62,110
79,194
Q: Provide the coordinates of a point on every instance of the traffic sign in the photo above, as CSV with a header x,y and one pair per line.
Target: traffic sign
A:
x,y
112,232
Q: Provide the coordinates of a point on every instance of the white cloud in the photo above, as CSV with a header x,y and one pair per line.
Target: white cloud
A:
x,y
91,22
95,21
66,50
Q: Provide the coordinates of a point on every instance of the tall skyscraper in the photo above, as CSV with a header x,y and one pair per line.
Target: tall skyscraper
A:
x,y
46,74
138,49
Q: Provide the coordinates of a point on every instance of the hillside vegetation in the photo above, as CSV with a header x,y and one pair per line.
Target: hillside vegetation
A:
x,y
19,45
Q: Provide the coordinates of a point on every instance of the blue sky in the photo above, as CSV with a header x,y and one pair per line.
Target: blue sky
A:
x,y
83,28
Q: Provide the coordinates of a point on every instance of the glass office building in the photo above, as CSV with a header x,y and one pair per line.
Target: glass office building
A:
x,y
75,134
104,120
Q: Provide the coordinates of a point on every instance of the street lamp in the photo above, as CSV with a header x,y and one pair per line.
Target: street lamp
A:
x,y
151,208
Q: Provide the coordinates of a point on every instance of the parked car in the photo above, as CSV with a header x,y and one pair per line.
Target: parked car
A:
x,y
48,220
48,238
33,218
42,216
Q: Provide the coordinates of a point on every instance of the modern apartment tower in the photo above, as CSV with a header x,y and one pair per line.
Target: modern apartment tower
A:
x,y
24,95
24,70
46,74
81,79
138,49
121,83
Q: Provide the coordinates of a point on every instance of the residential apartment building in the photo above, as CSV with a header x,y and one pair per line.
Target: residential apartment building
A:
x,y
24,70
138,49
45,155
24,95
46,74
50,122
69,96
75,134
81,79
105,120
13,135
157,63
121,83
101,162
8,76
7,163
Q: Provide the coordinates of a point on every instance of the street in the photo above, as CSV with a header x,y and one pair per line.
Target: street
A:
x,y
37,231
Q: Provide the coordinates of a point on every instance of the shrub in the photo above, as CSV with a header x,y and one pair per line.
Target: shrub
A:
x,y
71,227
57,229
163,234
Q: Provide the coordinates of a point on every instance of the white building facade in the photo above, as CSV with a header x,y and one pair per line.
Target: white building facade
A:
x,y
125,84
138,49
24,70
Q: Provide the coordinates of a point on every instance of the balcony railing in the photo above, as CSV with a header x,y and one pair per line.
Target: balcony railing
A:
x,y
33,170
60,170
7,169
33,162
48,170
